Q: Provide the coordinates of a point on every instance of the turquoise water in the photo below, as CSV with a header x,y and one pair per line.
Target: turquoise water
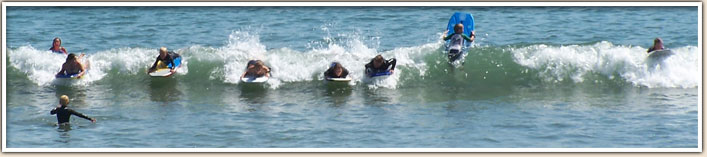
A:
x,y
536,77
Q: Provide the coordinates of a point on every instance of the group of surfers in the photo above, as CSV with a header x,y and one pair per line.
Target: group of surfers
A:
x,y
257,68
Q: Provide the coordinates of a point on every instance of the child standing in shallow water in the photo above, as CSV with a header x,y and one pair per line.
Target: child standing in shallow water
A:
x,y
63,114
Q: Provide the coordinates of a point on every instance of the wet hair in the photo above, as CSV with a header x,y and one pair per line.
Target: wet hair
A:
x,y
251,62
336,65
64,100
259,63
163,49
71,57
657,40
378,58
55,39
459,26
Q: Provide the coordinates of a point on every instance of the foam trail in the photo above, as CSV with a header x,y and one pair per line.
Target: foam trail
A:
x,y
576,62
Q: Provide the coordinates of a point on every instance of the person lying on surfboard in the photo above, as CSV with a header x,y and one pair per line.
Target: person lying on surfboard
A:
x,y
378,65
56,46
72,66
63,114
167,57
336,70
657,45
256,68
456,43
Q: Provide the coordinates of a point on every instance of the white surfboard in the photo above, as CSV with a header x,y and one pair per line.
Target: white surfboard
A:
x,y
347,79
660,54
262,79
161,72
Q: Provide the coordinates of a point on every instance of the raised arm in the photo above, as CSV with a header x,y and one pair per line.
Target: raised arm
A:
x,y
392,62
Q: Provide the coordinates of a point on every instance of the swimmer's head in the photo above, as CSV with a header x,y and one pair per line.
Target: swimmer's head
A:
x,y
459,28
56,42
71,57
64,100
163,51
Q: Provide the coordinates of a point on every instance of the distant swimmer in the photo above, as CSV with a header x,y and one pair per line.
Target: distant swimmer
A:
x,y
336,70
256,68
456,44
72,66
56,46
379,65
657,45
167,57
63,114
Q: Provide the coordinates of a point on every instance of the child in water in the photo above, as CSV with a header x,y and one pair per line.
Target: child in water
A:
x,y
378,64
63,114
56,46
336,70
256,68
456,43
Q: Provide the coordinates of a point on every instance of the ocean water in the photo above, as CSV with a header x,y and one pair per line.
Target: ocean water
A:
x,y
536,77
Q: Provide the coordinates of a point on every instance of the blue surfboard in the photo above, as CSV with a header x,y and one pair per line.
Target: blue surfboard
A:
x,y
468,21
464,18
385,73
177,61
67,76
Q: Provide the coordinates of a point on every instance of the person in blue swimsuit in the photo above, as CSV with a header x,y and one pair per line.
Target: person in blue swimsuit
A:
x,y
56,46
167,57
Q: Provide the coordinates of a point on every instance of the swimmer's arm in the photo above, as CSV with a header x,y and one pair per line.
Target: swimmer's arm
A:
x,y
344,73
446,37
392,62
468,38
83,70
53,111
154,65
81,115
65,52
62,69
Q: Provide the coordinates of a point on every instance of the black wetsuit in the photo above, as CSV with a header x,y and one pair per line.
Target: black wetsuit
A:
x,y
383,68
329,73
63,114
168,59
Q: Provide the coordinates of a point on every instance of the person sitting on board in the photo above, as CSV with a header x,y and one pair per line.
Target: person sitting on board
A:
x,y
167,57
456,43
56,46
256,68
72,66
63,114
657,45
336,70
378,65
